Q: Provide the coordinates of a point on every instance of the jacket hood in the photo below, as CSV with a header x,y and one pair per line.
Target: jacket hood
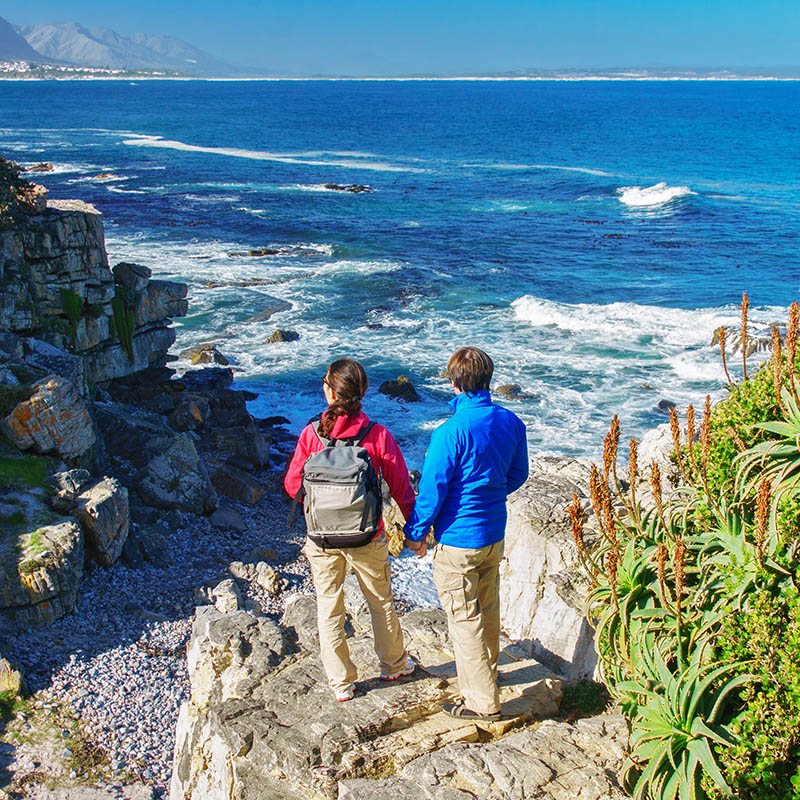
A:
x,y
345,427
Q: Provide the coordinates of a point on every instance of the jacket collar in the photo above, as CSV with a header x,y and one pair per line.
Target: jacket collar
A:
x,y
464,400
346,427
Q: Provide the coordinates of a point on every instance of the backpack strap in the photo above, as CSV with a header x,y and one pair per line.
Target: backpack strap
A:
x,y
328,442
301,492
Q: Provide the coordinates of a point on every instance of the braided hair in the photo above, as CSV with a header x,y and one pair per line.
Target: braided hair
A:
x,y
348,380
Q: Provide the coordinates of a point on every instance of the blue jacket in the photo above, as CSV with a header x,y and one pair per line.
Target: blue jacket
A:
x,y
474,460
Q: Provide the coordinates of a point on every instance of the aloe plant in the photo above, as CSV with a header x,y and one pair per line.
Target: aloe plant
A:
x,y
672,577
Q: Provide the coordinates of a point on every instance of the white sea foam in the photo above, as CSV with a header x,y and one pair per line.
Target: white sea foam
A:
x,y
656,195
585,170
117,190
263,155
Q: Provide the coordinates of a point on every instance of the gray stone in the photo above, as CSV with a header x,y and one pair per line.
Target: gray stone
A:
x,y
205,354
102,510
66,487
543,589
400,389
168,472
271,305
244,445
280,335
55,419
40,571
132,276
557,761
160,300
226,596
228,519
175,477
237,485
146,545
262,722
190,413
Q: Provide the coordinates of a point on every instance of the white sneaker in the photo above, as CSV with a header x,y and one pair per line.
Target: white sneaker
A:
x,y
410,666
343,695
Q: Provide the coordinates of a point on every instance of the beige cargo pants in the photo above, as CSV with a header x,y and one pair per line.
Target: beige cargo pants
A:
x,y
370,564
469,590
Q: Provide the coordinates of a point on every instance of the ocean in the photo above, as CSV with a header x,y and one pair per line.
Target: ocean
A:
x,y
589,235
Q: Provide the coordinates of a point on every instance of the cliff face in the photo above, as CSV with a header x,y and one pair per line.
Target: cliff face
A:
x,y
56,286
70,326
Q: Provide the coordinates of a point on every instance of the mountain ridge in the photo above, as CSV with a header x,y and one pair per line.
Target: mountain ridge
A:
x,y
72,43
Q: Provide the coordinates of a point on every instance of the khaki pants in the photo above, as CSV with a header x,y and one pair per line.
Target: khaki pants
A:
x,y
468,584
371,566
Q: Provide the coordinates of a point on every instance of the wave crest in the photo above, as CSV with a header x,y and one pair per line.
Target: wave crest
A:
x,y
648,196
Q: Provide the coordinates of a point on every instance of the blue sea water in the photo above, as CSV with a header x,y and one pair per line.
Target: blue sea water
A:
x,y
589,235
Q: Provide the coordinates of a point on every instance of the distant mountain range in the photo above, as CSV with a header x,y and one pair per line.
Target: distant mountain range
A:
x,y
14,47
71,43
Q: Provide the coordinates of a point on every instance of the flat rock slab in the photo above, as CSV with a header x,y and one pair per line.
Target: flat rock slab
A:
x,y
556,761
262,719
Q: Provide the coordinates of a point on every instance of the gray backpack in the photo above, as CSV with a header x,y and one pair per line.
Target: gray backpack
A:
x,y
342,495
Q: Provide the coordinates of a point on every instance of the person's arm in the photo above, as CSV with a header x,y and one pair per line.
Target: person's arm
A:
x,y
294,474
518,470
395,472
437,472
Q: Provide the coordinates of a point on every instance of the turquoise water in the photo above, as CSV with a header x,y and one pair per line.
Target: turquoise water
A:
x,y
589,235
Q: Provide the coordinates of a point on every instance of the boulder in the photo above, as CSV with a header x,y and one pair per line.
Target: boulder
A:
x,y
11,679
205,354
208,380
42,166
228,519
146,545
279,335
237,485
161,464
134,277
160,300
226,596
262,722
260,573
40,572
243,445
512,391
543,589
401,389
190,412
102,510
757,342
175,477
66,487
55,419
657,447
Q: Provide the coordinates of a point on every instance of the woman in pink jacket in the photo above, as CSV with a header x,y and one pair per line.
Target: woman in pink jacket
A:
x,y
344,385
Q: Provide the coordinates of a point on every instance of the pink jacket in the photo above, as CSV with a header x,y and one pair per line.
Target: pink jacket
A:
x,y
387,460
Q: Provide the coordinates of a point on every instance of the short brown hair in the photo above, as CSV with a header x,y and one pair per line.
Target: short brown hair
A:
x,y
470,369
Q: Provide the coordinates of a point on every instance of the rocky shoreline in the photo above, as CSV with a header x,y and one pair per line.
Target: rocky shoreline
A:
x,y
145,520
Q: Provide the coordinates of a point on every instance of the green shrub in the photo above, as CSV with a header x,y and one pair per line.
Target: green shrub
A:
x,y
695,598
124,324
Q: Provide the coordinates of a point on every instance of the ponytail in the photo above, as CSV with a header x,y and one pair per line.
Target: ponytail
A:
x,y
348,380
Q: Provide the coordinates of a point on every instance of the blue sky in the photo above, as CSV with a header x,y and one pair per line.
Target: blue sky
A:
x,y
303,37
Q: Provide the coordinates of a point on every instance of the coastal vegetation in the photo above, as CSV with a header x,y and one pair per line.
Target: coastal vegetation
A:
x,y
695,597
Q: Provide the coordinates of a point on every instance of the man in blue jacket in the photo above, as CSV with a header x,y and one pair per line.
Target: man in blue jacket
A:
x,y
475,459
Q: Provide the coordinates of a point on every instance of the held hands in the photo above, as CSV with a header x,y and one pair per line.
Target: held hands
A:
x,y
420,548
